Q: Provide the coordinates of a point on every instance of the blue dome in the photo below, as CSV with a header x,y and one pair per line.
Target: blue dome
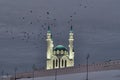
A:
x,y
60,47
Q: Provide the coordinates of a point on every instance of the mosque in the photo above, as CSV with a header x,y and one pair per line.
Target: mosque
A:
x,y
59,56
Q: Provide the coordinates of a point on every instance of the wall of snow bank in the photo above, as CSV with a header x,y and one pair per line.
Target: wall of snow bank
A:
x,y
110,65
100,75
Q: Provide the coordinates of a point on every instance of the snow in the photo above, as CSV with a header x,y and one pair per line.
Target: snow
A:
x,y
101,75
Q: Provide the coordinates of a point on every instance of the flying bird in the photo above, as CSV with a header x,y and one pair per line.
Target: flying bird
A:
x,y
23,17
80,4
85,6
31,11
30,22
48,13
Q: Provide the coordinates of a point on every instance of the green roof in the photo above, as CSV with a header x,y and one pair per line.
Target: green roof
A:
x,y
71,29
49,29
60,47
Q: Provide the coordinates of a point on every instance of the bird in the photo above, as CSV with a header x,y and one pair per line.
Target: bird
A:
x,y
23,17
30,22
31,11
6,31
48,13
54,19
13,38
85,6
80,4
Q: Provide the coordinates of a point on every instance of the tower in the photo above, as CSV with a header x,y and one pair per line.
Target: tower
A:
x,y
49,43
71,39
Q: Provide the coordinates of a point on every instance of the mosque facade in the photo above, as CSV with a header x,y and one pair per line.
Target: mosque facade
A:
x,y
59,56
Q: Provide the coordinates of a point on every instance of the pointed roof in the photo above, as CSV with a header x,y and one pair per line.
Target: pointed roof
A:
x,y
49,29
71,29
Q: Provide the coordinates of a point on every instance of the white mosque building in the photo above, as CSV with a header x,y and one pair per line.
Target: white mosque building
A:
x,y
59,56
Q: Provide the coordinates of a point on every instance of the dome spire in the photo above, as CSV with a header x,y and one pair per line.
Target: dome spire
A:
x,y
71,28
48,29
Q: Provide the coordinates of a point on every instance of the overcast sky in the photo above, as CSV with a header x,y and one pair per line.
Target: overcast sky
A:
x,y
23,27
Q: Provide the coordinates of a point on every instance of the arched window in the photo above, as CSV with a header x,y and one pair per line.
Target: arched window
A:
x,y
56,62
53,64
62,63
65,63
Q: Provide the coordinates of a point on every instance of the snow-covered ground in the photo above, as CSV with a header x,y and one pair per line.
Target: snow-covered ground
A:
x,y
101,75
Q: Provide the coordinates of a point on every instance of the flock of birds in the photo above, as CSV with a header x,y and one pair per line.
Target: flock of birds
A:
x,y
32,36
27,36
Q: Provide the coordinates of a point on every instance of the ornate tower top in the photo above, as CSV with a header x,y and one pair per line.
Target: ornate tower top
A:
x,y
48,29
71,29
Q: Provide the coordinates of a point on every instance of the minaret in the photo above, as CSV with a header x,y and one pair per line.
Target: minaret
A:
x,y
71,39
49,44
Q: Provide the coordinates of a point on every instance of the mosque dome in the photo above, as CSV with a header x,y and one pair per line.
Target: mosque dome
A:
x,y
60,47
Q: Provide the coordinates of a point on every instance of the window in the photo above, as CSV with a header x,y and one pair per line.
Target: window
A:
x,y
65,63
53,64
62,62
56,62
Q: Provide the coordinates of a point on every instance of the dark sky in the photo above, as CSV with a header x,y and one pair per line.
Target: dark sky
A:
x,y
23,27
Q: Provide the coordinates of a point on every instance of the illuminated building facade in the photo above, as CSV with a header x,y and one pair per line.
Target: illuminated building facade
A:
x,y
59,56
